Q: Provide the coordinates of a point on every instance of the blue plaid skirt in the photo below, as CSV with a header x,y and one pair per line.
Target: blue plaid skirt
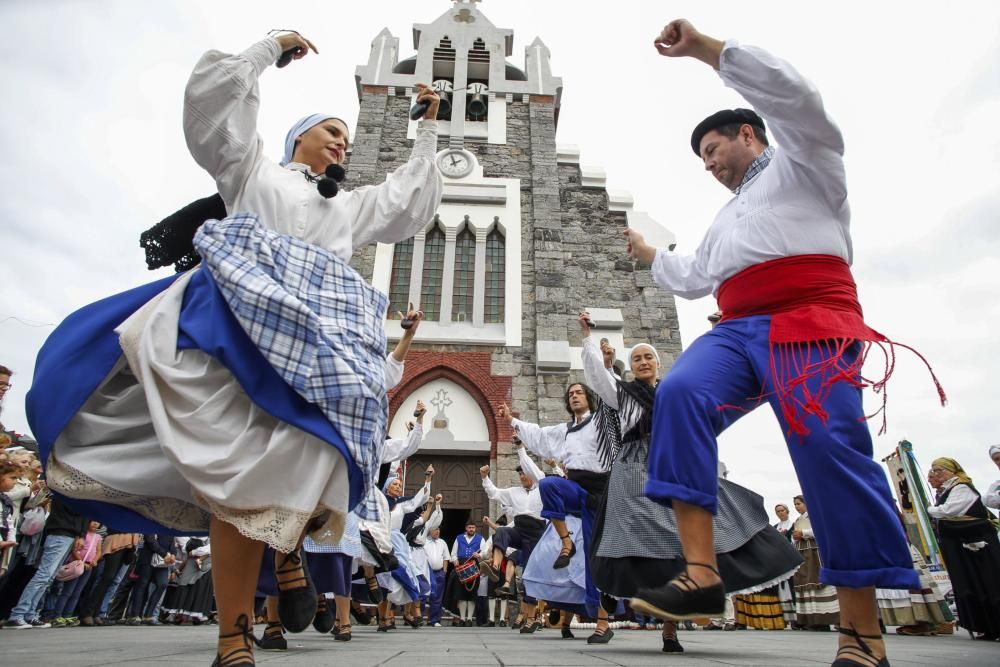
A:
x,y
297,328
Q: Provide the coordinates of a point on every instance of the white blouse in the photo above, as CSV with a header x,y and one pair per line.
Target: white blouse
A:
x,y
221,102
516,500
992,496
576,450
958,503
795,206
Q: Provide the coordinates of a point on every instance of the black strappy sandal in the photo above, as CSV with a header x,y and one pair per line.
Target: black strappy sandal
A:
x,y
324,620
342,633
273,638
374,591
565,556
238,657
670,642
861,651
601,637
297,600
682,599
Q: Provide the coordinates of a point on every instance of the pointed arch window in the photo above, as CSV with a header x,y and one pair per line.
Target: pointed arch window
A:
x,y
430,290
399,281
464,291
495,276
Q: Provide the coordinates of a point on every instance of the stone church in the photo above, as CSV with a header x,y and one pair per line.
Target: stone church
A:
x,y
524,239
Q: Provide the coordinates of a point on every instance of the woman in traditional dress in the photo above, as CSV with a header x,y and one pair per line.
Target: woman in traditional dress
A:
x,y
786,590
992,496
816,604
968,537
635,542
919,612
196,402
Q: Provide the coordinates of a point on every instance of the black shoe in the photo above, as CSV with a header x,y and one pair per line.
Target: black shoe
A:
x,y
564,558
501,623
568,634
412,622
602,638
671,645
384,627
238,657
503,591
272,639
517,624
297,599
324,620
342,634
489,571
554,616
682,599
374,592
608,603
530,628
861,651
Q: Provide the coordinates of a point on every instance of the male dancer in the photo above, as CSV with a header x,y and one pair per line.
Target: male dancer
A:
x,y
777,257
587,459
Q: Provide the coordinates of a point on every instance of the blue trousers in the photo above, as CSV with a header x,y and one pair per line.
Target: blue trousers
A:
x,y
853,515
560,497
438,579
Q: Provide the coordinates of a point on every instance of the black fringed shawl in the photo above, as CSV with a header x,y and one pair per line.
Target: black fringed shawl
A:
x,y
635,404
171,241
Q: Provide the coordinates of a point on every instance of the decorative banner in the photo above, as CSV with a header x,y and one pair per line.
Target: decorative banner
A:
x,y
913,497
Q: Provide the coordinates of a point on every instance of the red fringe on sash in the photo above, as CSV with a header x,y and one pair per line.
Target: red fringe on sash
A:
x,y
813,304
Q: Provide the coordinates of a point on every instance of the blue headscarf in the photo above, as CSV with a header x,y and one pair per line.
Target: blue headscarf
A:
x,y
300,128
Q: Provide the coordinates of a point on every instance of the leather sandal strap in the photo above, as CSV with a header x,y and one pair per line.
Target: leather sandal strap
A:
x,y
707,566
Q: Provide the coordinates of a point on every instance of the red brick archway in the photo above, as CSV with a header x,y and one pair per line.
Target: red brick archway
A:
x,y
469,370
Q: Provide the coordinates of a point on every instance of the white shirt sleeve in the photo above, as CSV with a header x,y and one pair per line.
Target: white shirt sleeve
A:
x,y
684,275
493,493
958,503
423,495
597,376
454,550
393,371
529,467
395,210
397,449
992,496
545,441
221,102
201,551
793,110
557,469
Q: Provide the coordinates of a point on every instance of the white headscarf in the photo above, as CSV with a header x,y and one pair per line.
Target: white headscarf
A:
x,y
993,450
637,346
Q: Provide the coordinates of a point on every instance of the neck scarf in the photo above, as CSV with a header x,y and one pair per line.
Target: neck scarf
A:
x,y
758,165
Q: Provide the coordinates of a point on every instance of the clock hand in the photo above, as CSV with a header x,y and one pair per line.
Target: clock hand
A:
x,y
454,160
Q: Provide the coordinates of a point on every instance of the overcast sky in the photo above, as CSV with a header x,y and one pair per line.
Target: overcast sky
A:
x,y
93,154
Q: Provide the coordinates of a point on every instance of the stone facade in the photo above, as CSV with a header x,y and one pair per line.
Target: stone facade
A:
x,y
572,256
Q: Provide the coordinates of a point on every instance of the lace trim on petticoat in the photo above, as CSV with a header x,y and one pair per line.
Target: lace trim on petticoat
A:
x,y
767,584
279,527
170,512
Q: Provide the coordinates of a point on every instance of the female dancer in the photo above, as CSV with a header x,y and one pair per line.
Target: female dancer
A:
x,y
259,372
635,540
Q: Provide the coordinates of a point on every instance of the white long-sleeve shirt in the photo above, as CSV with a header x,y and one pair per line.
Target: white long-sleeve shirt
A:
x,y
406,506
519,500
397,449
576,450
393,371
992,496
437,553
605,384
795,206
958,503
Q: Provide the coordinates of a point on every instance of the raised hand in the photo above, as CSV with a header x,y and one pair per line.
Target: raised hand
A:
x,y
637,247
679,38
294,41
585,323
506,414
608,352
484,472
429,472
427,94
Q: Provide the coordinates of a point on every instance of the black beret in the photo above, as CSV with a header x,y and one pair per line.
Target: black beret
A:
x,y
721,118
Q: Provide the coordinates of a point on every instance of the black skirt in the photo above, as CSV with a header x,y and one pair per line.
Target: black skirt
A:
x,y
975,575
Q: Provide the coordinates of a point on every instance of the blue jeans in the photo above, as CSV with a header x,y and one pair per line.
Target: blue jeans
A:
x,y
54,553
68,598
112,589
437,595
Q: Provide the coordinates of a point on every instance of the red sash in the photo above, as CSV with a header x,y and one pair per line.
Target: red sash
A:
x,y
812,301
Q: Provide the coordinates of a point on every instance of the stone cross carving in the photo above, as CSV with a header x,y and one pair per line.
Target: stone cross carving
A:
x,y
441,401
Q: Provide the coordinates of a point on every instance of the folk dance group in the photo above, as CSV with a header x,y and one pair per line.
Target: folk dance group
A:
x,y
246,398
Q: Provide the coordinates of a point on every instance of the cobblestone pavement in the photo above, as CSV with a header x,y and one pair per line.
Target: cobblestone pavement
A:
x,y
426,647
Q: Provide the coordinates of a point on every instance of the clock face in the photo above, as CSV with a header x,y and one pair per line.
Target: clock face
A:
x,y
455,163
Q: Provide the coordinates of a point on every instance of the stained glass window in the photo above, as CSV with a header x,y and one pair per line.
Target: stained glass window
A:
x,y
495,274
